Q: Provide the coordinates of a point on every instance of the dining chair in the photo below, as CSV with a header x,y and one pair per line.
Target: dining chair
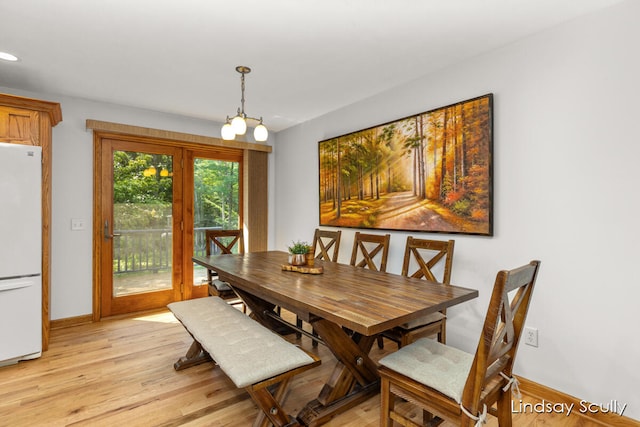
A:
x,y
452,385
326,245
371,251
223,242
430,260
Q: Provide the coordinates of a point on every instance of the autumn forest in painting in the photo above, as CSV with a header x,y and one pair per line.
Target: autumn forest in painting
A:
x,y
429,172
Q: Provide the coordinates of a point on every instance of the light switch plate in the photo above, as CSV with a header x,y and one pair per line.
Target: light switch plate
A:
x,y
77,224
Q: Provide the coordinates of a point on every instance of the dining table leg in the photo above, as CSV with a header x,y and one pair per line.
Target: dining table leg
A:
x,y
354,379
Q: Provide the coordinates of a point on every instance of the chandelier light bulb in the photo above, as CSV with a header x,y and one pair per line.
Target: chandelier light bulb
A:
x,y
239,125
260,133
227,132
8,57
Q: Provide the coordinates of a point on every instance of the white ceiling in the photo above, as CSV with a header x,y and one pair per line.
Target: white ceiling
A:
x,y
308,57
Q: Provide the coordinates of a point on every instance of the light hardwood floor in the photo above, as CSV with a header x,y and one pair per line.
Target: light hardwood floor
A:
x,y
120,373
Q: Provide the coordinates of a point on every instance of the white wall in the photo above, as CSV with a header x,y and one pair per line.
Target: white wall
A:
x,y
565,154
72,190
565,159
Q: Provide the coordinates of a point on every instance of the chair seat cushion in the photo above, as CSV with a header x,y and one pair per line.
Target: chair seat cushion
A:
x,y
433,364
426,320
221,286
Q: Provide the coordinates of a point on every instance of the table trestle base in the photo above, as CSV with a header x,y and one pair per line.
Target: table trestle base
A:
x,y
316,414
275,316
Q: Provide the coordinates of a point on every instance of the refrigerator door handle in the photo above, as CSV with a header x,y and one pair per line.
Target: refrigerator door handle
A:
x,y
108,235
11,285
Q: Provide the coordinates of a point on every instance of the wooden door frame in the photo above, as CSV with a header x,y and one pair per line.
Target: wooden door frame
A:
x,y
255,182
150,299
189,157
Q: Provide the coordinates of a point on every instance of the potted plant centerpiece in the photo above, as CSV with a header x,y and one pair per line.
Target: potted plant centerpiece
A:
x,y
298,253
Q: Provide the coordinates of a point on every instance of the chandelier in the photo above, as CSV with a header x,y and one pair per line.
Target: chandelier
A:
x,y
238,124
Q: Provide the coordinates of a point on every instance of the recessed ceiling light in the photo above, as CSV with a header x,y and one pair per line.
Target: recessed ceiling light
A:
x,y
8,57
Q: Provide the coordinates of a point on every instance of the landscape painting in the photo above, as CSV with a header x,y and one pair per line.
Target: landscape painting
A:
x,y
431,172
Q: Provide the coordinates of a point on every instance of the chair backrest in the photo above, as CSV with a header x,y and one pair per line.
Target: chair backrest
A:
x,y
366,247
224,241
496,352
425,254
326,244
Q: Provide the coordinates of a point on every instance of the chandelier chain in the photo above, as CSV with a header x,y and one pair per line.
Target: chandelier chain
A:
x,y
241,112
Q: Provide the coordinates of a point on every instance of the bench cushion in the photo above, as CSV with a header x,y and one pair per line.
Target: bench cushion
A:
x,y
244,349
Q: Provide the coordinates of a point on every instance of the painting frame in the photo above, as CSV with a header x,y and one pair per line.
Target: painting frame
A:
x,y
429,172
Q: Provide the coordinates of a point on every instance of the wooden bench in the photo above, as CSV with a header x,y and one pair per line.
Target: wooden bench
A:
x,y
252,356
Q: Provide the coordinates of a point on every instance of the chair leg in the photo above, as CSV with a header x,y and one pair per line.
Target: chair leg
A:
x,y
299,325
427,417
386,403
504,409
442,336
405,340
380,342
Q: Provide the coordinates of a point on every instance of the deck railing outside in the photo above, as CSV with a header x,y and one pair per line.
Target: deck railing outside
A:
x,y
149,250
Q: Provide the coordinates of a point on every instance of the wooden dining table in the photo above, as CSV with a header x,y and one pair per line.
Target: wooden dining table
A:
x,y
347,307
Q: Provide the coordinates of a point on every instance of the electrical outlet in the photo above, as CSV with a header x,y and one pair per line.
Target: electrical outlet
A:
x,y
531,336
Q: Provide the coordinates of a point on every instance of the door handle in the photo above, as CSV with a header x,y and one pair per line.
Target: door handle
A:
x,y
107,235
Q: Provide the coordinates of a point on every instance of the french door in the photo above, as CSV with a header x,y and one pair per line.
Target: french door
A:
x,y
155,200
214,202
141,237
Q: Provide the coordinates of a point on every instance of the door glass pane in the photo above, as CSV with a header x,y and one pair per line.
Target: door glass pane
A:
x,y
216,204
142,222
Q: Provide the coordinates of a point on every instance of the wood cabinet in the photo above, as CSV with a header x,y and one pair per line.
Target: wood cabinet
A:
x,y
30,122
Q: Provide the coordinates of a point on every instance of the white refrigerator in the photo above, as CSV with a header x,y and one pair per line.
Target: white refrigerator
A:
x,y
20,253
